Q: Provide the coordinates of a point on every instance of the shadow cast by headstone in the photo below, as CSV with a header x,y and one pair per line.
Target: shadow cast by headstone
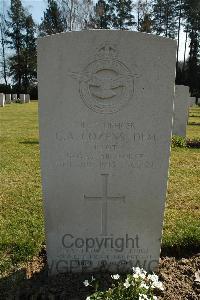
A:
x,y
179,251
41,286
194,124
18,286
23,284
30,142
193,144
26,284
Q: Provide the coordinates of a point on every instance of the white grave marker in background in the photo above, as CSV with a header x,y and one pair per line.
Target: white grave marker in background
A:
x,y
181,106
2,99
27,98
8,99
22,98
14,97
192,101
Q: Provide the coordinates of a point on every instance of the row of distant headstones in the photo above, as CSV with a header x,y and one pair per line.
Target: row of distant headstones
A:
x,y
9,98
25,98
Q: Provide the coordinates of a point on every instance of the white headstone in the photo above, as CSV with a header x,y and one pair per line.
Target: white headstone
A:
x,y
27,98
22,98
8,99
14,97
192,101
181,105
2,99
105,129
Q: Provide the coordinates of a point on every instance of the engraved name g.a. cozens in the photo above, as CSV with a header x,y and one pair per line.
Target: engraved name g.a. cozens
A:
x,y
106,85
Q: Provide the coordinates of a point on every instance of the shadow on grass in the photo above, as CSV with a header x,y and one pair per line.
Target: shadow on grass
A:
x,y
194,124
180,251
33,142
33,281
195,144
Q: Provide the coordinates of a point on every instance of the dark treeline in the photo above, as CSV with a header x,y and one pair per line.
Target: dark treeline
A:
x,y
18,33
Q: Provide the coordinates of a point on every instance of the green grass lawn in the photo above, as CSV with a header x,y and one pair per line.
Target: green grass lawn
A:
x,y
21,219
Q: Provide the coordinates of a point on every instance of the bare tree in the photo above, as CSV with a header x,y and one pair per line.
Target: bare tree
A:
x,y
86,13
76,13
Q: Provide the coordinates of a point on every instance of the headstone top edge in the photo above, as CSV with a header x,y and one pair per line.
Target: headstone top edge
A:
x,y
108,31
182,87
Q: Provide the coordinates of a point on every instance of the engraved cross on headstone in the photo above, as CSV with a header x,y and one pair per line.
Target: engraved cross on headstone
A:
x,y
104,198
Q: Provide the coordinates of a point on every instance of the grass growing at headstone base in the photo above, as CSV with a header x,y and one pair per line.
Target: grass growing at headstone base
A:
x,y
21,217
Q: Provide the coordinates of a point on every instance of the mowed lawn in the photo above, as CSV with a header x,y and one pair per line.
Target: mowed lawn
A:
x,y
21,218
21,221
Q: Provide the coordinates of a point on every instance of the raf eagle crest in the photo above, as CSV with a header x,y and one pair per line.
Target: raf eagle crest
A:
x,y
106,85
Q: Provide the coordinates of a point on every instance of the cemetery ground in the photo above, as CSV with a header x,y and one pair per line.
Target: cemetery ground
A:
x,y
22,248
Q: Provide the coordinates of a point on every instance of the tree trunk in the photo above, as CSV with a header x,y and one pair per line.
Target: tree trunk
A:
x,y
167,21
70,14
160,17
18,67
186,39
138,16
3,52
